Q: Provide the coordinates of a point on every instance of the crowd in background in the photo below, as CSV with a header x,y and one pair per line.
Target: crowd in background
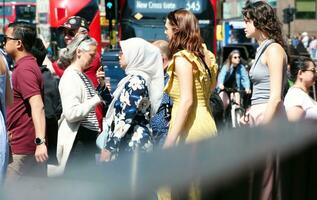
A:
x,y
163,101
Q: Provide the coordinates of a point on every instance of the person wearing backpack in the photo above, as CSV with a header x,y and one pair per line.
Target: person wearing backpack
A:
x,y
52,99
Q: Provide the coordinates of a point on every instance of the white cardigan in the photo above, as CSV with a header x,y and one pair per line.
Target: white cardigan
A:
x,y
76,107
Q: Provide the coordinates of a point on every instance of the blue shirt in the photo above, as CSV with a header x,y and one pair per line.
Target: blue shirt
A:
x,y
241,77
160,121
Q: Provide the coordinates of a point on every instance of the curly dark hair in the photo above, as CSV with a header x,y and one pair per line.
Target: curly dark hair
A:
x,y
264,19
186,33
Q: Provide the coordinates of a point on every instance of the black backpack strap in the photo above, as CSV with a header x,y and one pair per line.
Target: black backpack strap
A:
x,y
206,67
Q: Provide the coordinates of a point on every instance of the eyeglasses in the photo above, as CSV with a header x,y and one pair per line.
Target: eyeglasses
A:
x,y
6,38
70,33
235,57
311,70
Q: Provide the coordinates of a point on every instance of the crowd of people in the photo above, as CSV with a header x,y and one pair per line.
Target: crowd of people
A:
x,y
163,101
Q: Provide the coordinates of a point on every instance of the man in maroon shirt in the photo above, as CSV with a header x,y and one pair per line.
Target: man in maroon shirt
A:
x,y
25,118
73,27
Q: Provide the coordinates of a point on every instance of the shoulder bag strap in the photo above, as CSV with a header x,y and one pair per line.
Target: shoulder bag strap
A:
x,y
206,67
264,48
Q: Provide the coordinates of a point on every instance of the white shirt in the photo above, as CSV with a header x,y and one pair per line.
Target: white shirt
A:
x,y
297,97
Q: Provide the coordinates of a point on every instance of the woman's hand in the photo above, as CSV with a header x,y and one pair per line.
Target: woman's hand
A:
x,y
105,155
169,142
244,120
100,74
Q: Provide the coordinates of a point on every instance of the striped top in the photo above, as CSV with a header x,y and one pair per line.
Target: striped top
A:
x,y
90,122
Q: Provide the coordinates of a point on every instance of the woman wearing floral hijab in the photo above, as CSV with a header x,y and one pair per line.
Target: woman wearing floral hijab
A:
x,y
135,100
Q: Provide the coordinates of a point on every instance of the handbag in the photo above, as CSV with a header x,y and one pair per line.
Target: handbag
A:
x,y
101,139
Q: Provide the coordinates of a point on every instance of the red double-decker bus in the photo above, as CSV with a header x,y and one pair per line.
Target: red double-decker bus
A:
x,y
51,14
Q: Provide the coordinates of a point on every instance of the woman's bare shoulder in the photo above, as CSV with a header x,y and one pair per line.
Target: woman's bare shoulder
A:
x,y
275,48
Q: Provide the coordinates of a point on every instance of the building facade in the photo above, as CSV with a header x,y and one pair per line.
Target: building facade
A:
x,y
305,18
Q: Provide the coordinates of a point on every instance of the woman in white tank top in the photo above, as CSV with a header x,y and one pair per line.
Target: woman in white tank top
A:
x,y
298,104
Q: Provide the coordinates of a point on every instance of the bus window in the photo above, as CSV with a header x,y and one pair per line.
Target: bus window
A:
x,y
5,11
25,13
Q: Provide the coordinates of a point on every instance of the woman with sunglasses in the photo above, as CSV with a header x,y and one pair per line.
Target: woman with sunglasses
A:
x,y
233,75
268,75
298,104
78,127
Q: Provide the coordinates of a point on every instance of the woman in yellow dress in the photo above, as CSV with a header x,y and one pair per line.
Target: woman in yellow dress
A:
x,y
192,76
192,73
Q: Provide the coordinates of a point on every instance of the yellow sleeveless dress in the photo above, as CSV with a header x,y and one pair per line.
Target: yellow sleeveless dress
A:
x,y
200,123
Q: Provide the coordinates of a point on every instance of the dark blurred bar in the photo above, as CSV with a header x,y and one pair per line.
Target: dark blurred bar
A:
x,y
223,164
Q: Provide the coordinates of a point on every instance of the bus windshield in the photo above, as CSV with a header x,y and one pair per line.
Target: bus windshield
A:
x,y
160,8
164,7
145,18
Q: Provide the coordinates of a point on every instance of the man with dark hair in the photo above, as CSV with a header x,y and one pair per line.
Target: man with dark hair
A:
x,y
26,118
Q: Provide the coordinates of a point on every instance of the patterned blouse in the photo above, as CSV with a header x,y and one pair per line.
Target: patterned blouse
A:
x,y
160,121
131,126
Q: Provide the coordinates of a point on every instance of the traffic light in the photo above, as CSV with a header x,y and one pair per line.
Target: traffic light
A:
x,y
288,15
286,18
110,9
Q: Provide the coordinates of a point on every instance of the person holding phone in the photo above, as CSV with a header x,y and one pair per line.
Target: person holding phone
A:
x,y
72,28
78,127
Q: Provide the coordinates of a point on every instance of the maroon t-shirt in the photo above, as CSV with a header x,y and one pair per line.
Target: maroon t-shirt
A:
x,y
27,81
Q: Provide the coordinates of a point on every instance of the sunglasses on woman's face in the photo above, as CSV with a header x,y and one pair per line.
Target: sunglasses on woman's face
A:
x,y
70,33
236,57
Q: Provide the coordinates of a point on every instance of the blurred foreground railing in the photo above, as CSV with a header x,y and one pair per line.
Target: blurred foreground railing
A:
x,y
222,163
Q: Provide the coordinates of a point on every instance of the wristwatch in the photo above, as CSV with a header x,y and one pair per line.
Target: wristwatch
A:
x,y
39,141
